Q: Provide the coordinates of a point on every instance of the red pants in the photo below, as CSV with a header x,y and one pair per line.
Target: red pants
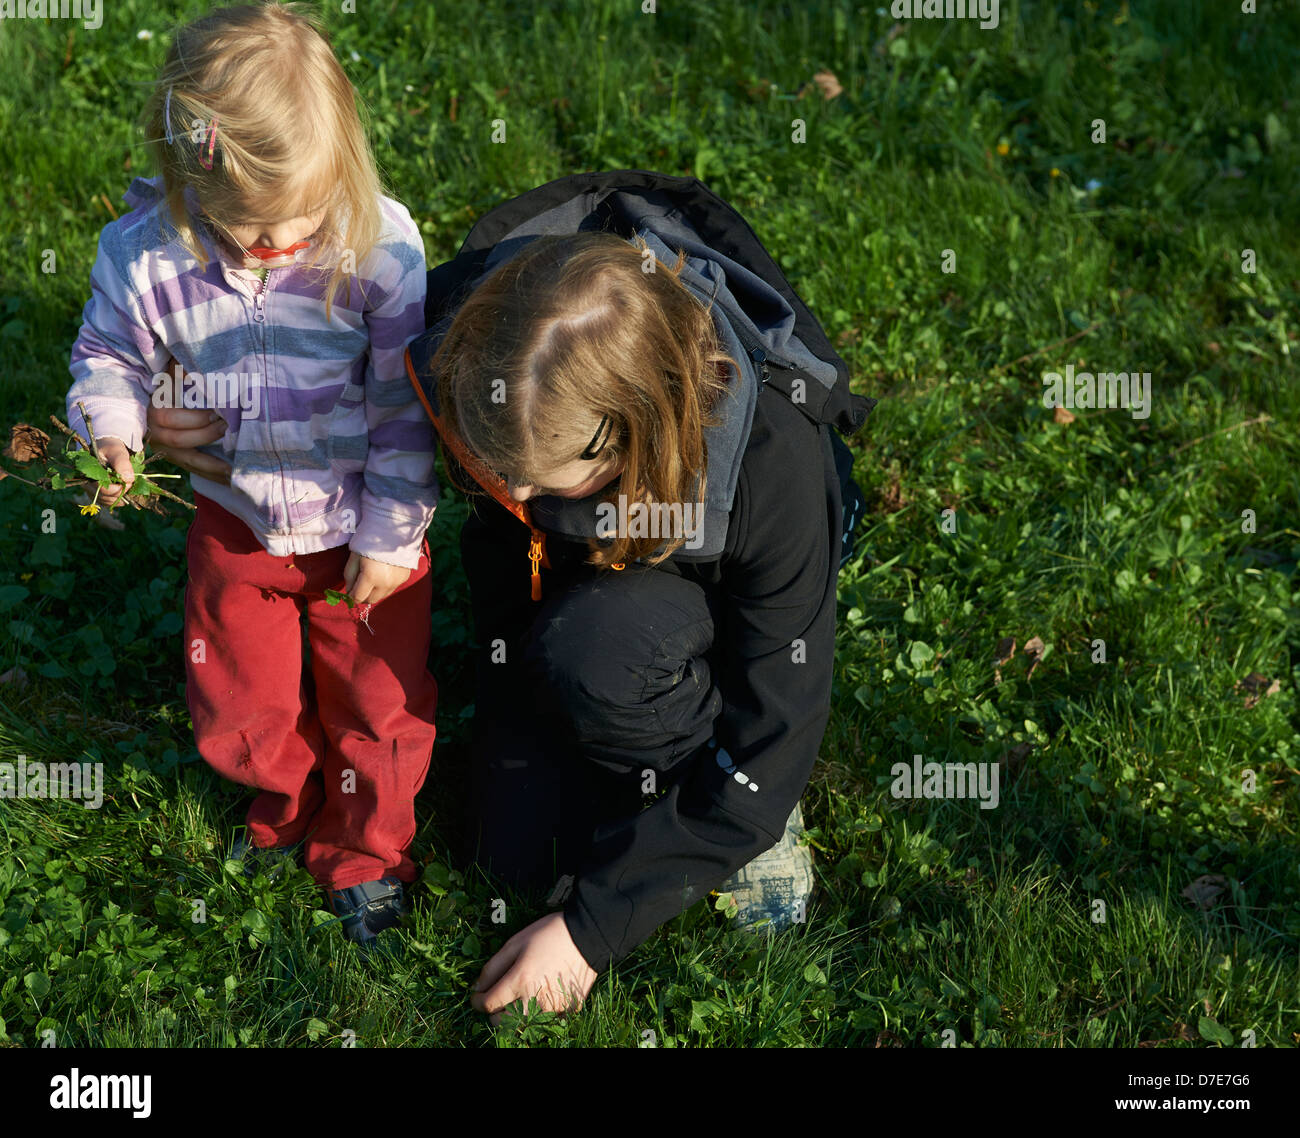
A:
x,y
338,756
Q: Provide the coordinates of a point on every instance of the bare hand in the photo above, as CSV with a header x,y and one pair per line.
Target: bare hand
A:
x,y
539,962
114,455
174,432
369,582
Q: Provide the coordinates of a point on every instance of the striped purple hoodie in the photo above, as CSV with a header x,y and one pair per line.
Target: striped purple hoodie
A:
x,y
327,440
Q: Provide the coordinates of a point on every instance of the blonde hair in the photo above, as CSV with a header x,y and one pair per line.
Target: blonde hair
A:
x,y
571,330
288,142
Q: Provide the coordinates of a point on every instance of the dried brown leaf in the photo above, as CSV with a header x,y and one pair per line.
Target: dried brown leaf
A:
x,y
1203,891
27,443
828,84
1034,653
1257,687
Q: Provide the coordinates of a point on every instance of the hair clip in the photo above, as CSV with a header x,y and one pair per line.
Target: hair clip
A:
x,y
212,142
167,117
606,426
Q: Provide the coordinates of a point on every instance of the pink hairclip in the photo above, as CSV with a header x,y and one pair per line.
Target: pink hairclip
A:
x,y
212,142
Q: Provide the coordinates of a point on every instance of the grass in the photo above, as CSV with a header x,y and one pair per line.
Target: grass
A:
x,y
1154,559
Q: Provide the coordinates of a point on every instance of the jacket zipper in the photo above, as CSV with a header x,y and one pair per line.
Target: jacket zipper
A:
x,y
259,319
490,482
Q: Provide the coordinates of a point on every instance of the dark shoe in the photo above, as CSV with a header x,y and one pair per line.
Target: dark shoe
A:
x,y
369,908
271,859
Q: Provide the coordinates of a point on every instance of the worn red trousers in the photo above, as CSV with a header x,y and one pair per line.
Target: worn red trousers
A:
x,y
338,754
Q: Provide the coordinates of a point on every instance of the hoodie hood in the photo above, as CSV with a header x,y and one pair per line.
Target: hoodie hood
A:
x,y
749,315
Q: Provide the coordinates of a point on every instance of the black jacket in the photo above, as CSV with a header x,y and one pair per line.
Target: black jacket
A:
x,y
768,561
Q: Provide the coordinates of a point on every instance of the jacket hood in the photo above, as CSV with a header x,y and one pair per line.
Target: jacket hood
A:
x,y
748,314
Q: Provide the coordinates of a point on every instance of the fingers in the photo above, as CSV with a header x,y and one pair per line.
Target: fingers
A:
x,y
180,418
196,462
350,571
489,996
375,580
117,458
198,433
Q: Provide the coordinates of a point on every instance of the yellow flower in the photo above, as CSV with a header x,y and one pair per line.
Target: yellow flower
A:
x,y
1003,149
1055,172
92,509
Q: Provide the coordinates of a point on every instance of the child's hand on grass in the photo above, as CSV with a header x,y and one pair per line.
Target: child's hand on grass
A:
x,y
114,455
369,581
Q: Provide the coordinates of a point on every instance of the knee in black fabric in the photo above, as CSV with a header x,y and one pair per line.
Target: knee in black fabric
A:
x,y
619,668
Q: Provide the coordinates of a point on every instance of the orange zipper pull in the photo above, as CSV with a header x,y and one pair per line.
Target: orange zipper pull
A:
x,y
535,556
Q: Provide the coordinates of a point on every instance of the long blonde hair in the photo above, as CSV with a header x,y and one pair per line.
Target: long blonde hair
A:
x,y
571,330
288,140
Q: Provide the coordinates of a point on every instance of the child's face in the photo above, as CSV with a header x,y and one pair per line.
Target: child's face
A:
x,y
573,480
278,234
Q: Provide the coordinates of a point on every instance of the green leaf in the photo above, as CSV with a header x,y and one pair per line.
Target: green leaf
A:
x,y
316,1028
1213,1031
437,878
920,654
38,984
1274,131
254,923
88,466
701,1010
814,975
333,597
11,595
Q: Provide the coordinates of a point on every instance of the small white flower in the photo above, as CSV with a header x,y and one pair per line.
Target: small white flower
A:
x,y
356,58
1092,185
144,34
408,87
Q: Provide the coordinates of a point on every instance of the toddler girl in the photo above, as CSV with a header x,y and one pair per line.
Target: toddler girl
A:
x,y
269,265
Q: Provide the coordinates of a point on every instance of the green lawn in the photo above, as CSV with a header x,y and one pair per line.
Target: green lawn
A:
x,y
1153,558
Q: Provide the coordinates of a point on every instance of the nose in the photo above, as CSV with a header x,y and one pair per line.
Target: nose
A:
x,y
277,237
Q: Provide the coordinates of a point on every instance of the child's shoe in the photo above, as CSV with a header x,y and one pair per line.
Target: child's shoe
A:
x,y
369,908
772,891
272,859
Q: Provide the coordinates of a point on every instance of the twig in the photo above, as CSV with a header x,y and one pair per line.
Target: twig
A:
x,y
66,429
90,430
6,474
1258,420
1059,344
156,489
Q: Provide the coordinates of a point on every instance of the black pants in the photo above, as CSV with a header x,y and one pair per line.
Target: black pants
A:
x,y
606,692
